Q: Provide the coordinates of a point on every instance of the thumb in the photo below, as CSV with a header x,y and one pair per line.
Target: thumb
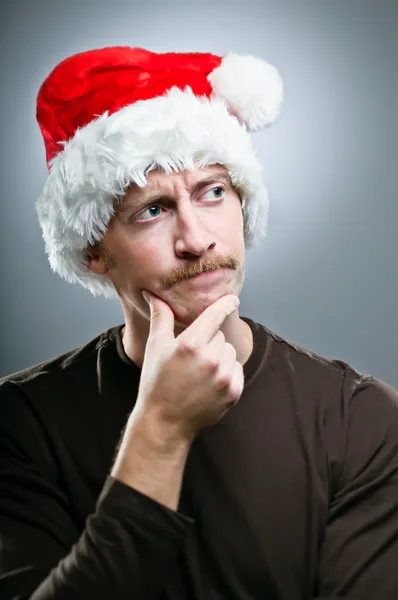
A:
x,y
162,317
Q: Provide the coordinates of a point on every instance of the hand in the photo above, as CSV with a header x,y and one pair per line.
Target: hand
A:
x,y
189,382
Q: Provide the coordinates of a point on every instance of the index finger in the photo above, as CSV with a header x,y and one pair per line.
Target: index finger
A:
x,y
205,327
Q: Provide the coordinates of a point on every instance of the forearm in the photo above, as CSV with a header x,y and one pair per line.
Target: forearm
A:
x,y
128,549
151,460
130,544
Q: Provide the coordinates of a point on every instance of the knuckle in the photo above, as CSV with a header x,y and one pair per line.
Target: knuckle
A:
x,y
235,392
210,363
224,381
188,347
238,382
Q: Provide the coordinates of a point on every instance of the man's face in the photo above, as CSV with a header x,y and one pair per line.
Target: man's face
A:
x,y
178,226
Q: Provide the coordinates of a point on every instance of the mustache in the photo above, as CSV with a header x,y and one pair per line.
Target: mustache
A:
x,y
196,268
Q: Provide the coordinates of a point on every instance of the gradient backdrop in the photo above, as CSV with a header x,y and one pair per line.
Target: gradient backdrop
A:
x,y
326,275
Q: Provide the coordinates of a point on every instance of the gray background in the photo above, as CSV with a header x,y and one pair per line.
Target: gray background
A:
x,y
325,277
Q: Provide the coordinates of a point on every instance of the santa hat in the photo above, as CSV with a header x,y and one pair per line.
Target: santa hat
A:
x,y
110,116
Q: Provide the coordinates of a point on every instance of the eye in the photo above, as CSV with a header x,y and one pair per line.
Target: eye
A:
x,y
147,210
218,191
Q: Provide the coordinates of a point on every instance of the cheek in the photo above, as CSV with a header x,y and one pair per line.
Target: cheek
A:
x,y
232,230
152,258
147,260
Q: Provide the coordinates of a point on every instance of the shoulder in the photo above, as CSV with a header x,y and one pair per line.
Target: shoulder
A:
x,y
41,389
371,440
339,379
354,414
312,374
57,365
351,403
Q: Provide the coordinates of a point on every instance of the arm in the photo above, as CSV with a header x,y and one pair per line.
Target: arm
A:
x,y
129,545
359,553
151,459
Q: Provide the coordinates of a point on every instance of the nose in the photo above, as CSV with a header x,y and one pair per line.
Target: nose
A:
x,y
191,237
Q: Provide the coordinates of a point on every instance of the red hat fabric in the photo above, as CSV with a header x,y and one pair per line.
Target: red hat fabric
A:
x,y
90,83
109,116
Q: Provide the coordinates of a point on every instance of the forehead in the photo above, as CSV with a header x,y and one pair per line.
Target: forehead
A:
x,y
159,176
159,179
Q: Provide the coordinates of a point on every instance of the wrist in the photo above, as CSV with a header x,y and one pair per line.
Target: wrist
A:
x,y
157,434
151,459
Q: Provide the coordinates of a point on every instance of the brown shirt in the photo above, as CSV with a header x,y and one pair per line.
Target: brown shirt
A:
x,y
293,495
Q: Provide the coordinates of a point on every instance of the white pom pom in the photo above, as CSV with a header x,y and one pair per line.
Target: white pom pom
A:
x,y
251,87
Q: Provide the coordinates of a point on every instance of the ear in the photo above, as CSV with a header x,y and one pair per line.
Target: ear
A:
x,y
96,263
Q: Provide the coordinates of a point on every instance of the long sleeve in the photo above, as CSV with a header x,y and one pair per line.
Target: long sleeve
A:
x,y
359,553
128,548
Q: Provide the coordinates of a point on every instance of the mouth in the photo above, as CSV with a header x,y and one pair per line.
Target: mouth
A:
x,y
206,278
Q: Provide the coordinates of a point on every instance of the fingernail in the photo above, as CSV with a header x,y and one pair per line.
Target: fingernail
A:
x,y
145,295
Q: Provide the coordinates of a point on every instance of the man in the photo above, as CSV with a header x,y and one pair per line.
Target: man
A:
x,y
190,452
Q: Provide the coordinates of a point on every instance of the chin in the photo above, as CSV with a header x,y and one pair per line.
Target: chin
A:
x,y
185,317
186,314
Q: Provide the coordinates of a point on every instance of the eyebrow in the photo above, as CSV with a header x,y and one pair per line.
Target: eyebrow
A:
x,y
156,197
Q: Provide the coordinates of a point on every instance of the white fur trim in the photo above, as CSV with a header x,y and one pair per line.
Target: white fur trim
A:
x,y
89,176
251,87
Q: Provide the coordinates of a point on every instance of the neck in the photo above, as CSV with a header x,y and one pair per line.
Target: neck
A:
x,y
136,330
